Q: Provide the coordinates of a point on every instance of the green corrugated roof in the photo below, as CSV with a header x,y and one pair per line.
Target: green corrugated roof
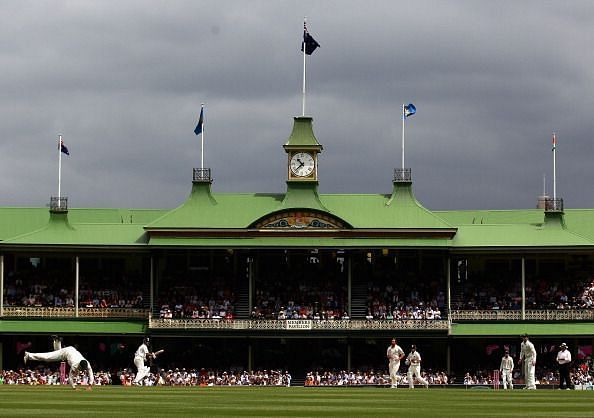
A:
x,y
15,221
302,135
236,211
204,209
398,210
60,231
508,329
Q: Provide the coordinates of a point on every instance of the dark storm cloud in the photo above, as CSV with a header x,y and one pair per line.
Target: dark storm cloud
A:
x,y
123,82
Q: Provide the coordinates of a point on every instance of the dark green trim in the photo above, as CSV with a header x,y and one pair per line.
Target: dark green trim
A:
x,y
39,326
517,329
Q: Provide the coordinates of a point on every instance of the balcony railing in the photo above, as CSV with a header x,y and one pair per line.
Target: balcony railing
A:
x,y
296,325
53,312
201,175
58,204
402,175
516,315
305,324
553,205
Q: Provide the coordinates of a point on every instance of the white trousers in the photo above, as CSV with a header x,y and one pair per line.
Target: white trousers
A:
x,y
506,377
415,370
529,374
49,357
142,370
393,368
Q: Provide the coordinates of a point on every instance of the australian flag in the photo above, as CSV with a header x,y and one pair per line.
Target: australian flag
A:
x,y
63,148
309,43
409,110
198,129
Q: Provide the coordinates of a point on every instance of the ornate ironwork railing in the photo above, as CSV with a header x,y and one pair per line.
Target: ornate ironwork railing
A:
x,y
402,175
201,175
516,315
553,205
58,204
297,325
305,324
63,312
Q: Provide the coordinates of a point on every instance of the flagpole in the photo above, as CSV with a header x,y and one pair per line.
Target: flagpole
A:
x,y
202,137
554,166
403,117
59,167
304,47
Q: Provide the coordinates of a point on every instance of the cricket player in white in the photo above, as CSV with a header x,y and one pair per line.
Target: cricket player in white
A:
x,y
141,354
75,360
394,354
414,368
528,361
507,368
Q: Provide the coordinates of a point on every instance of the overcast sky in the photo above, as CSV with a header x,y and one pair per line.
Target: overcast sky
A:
x,y
122,81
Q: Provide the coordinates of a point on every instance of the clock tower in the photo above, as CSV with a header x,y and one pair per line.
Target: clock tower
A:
x,y
302,150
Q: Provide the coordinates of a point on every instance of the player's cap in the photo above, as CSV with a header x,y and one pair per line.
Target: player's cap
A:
x,y
563,345
524,335
413,346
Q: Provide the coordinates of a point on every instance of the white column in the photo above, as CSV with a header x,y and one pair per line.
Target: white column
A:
x,y
76,283
152,286
523,288
403,136
1,285
449,287
349,285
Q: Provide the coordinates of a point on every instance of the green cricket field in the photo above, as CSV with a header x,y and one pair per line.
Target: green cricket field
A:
x,y
118,401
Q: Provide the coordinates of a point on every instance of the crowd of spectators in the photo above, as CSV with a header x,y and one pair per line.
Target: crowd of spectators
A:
x,y
580,376
370,377
540,294
45,376
203,377
300,300
48,289
182,297
405,302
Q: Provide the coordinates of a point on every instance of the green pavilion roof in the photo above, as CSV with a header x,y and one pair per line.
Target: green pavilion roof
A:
x,y
203,210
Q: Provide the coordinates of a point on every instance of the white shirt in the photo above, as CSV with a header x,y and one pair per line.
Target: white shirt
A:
x,y
564,357
74,357
414,358
142,351
507,363
527,351
394,353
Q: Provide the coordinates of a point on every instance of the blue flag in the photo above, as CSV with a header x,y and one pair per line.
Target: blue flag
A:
x,y
309,43
198,129
63,148
409,110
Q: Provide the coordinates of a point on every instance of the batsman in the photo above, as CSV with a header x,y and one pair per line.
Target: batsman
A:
x,y
140,356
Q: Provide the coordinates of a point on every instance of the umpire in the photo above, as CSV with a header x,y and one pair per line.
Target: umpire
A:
x,y
564,360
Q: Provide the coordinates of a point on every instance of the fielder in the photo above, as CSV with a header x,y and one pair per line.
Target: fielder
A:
x,y
528,360
394,354
414,367
507,368
75,360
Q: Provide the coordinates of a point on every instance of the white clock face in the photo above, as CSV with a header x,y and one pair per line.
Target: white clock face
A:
x,y
302,164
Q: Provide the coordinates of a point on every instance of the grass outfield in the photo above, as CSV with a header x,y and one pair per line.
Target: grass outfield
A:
x,y
118,401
